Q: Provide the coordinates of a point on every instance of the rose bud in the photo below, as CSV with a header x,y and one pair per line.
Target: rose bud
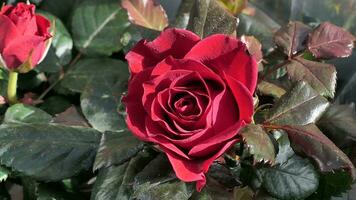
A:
x,y
190,96
24,37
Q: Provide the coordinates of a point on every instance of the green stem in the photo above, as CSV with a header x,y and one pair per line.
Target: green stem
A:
x,y
12,87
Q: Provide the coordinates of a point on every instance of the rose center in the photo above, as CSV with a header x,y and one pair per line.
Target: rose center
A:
x,y
185,105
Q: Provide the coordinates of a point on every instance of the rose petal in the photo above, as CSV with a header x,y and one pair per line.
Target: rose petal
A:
x,y
18,51
187,171
171,42
226,54
8,35
136,113
43,26
243,98
193,170
212,144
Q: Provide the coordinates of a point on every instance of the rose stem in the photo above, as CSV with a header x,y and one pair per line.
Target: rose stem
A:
x,y
12,87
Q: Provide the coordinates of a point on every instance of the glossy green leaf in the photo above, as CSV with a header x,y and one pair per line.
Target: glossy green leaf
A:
x,y
115,182
81,73
285,150
99,32
4,173
60,52
270,89
291,38
208,17
116,148
332,184
60,10
339,123
99,102
55,104
157,181
47,152
55,191
245,193
212,191
261,26
175,190
312,142
301,105
320,76
295,179
258,143
26,114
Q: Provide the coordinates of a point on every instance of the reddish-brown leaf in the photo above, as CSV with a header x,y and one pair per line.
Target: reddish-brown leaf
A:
x,y
292,37
311,141
320,76
146,13
71,117
254,47
330,41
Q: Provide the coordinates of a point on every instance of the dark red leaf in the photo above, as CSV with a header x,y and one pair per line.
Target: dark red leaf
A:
x,y
292,37
330,41
311,141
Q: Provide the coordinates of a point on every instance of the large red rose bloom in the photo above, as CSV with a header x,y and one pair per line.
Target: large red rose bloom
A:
x,y
190,96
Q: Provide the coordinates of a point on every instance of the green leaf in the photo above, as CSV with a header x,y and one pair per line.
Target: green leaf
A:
x,y
285,150
82,72
99,32
182,16
295,179
47,152
212,191
320,76
261,26
332,184
291,38
330,41
60,53
116,148
270,89
175,190
208,17
26,114
29,188
55,104
55,191
4,173
99,102
245,193
60,10
115,182
300,106
258,143
339,123
157,181
311,141
149,14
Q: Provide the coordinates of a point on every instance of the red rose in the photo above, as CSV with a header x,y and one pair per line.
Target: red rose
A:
x,y
24,37
190,96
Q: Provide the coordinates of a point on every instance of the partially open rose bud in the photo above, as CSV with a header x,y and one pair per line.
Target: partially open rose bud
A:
x,y
24,37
